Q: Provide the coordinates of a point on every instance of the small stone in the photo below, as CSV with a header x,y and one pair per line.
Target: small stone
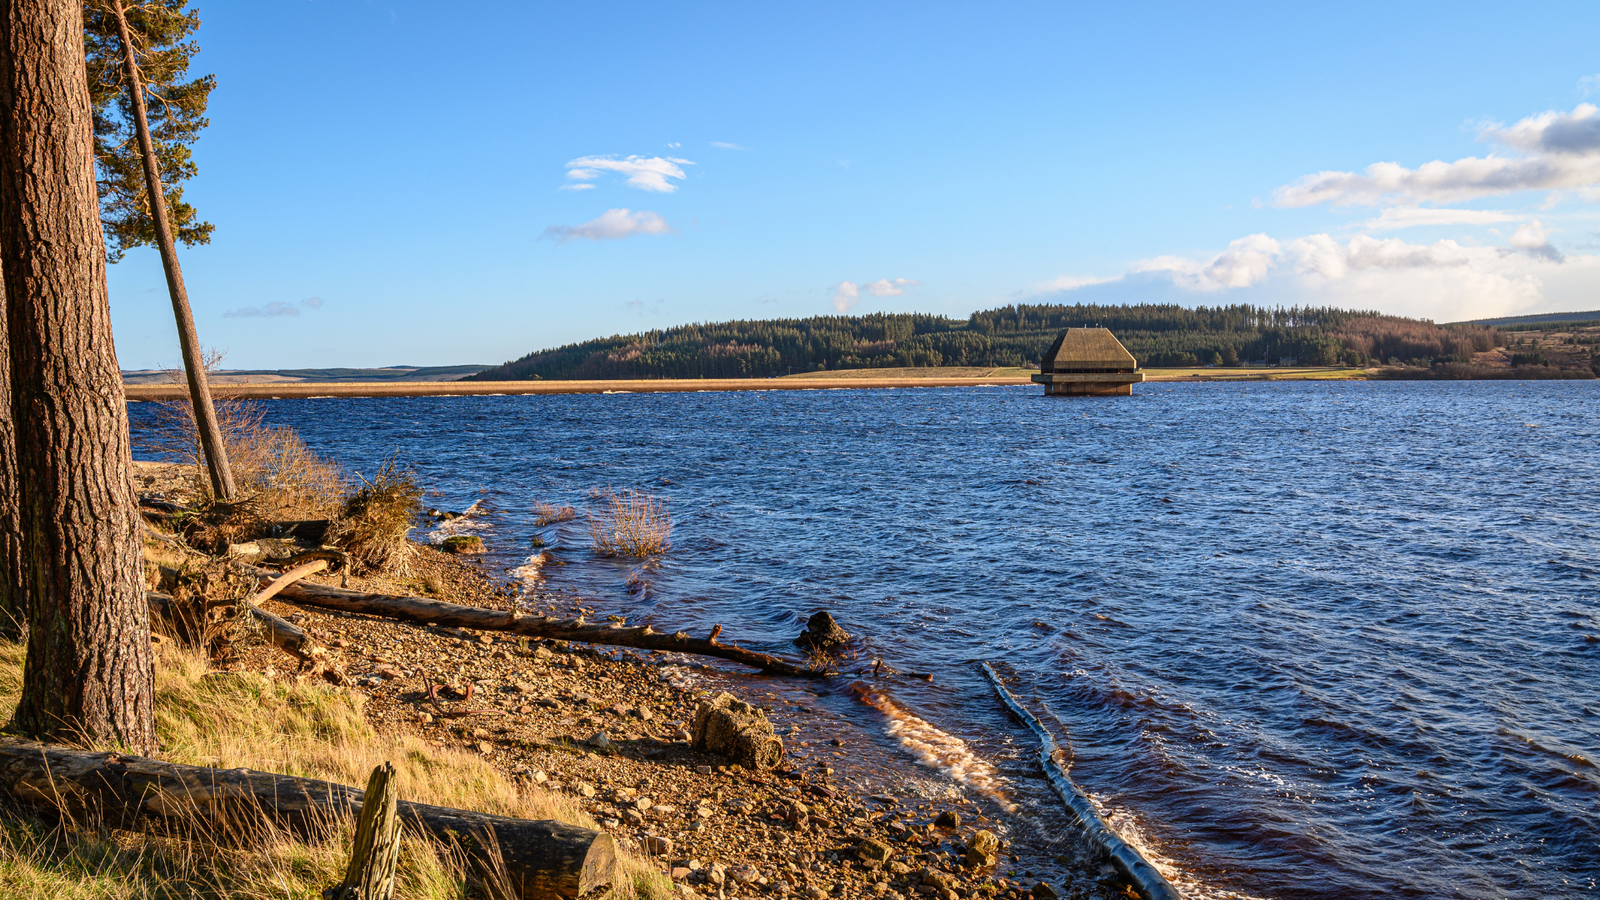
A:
x,y
425,718
659,846
702,770
679,873
682,734
873,850
1043,891
982,849
585,790
717,874
744,874
600,741
485,747
948,819
539,777
523,687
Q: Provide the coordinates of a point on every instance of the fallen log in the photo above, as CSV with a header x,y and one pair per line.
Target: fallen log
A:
x,y
434,612
1141,875
537,860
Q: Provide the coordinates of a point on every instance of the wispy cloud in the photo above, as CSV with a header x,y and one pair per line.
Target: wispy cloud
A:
x,y
889,287
647,173
1589,84
724,145
273,309
1560,151
846,296
611,225
1397,217
1067,283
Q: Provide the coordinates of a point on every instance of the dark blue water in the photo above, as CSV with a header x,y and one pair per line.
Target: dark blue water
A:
x,y
1306,640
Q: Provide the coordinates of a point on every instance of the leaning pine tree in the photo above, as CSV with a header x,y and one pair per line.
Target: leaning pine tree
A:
x,y
88,674
147,111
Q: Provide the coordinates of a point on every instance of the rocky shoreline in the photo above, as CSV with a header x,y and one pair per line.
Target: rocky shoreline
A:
x,y
613,731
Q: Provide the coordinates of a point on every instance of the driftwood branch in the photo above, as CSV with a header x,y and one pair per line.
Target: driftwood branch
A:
x,y
434,612
536,860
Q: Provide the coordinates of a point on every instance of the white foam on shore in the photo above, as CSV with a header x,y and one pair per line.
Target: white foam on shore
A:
x,y
466,523
531,572
939,749
1126,825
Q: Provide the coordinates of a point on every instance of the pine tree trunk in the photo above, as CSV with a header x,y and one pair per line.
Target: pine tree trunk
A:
x,y
13,599
194,367
87,677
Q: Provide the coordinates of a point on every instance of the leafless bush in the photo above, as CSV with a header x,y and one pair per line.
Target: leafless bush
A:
x,y
547,514
375,521
627,523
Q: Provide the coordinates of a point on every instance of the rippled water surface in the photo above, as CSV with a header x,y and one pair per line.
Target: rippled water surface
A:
x,y
1308,640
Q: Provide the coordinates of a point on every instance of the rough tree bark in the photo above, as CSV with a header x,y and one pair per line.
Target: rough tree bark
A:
x,y
87,675
205,413
13,599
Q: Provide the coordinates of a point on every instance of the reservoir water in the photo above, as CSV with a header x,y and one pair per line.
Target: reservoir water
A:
x,y
1304,640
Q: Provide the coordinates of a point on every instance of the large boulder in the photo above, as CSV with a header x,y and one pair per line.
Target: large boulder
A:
x,y
736,731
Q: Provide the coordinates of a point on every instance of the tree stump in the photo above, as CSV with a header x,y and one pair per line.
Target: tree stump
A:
x,y
376,854
732,728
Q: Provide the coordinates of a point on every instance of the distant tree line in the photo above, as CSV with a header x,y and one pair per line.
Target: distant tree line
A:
x,y
1161,335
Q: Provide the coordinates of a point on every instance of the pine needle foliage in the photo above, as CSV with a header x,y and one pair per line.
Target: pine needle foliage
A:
x,y
162,32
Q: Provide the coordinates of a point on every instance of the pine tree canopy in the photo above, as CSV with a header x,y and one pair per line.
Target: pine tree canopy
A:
x,y
176,104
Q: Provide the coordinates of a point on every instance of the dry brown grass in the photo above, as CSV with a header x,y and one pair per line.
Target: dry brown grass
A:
x,y
228,720
628,523
549,514
376,520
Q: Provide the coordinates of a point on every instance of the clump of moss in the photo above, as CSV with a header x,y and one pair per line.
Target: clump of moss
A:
x,y
462,543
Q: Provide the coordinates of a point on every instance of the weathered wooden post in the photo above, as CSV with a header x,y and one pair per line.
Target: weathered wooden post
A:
x,y
376,854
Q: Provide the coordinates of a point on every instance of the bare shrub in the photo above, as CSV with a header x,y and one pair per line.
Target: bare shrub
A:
x,y
376,520
547,514
627,523
277,475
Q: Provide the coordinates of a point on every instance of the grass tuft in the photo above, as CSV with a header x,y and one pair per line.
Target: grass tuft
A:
x,y
548,514
628,523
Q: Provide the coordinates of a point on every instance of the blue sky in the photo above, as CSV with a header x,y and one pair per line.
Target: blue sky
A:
x,y
396,184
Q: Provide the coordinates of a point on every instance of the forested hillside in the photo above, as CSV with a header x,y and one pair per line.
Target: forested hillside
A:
x,y
1158,335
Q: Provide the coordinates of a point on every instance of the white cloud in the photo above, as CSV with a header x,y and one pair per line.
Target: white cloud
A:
x,y
274,309
888,287
579,186
724,145
1444,280
645,173
846,296
1068,283
1562,151
1576,133
1397,217
1245,262
611,225
1534,239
